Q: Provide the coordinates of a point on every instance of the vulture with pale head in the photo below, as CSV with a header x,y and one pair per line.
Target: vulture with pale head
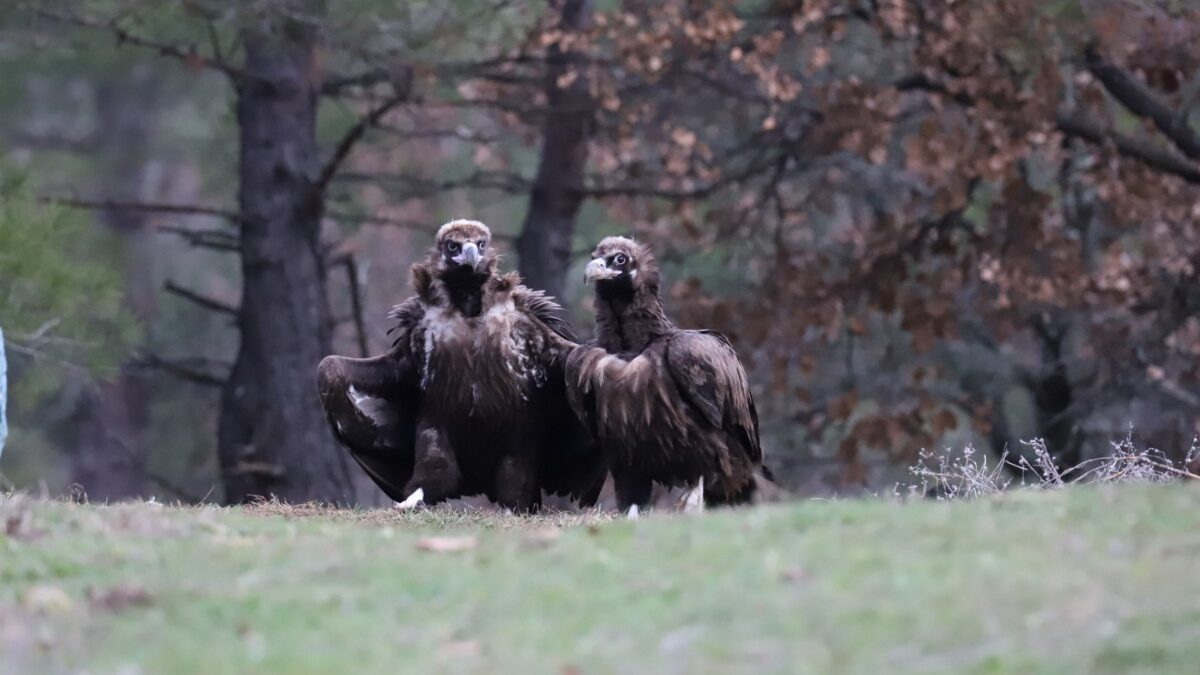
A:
x,y
470,399
666,405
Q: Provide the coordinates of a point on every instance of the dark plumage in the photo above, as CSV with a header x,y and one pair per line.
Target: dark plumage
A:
x,y
666,405
470,399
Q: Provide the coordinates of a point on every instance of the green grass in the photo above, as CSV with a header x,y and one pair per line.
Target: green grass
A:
x,y
1083,580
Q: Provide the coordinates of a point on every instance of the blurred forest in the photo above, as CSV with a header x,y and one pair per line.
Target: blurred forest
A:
x,y
922,223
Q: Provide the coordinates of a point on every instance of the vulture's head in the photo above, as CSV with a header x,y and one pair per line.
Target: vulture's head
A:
x,y
464,246
621,266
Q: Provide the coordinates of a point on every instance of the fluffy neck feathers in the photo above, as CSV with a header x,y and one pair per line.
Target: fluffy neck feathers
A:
x,y
629,322
469,292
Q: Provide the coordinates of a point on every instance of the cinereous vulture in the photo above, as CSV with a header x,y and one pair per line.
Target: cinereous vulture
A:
x,y
666,405
471,398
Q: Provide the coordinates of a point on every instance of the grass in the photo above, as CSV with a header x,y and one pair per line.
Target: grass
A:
x,y
1086,579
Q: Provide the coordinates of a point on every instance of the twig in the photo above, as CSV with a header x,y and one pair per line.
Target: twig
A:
x,y
201,300
1141,101
1149,155
334,85
150,207
356,133
360,326
181,369
187,55
214,239
406,224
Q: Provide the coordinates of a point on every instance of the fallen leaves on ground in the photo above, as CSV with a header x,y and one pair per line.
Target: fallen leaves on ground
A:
x,y
45,599
446,544
120,597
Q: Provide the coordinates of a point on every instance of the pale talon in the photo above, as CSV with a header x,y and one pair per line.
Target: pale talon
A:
x,y
414,500
693,500
632,513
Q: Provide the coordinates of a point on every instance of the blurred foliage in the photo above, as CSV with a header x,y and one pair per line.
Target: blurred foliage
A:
x,y
60,303
922,223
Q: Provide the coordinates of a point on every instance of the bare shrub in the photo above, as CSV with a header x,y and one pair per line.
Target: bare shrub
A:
x,y
970,474
948,476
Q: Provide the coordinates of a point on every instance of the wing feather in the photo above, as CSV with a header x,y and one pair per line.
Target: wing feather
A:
x,y
711,379
372,404
571,463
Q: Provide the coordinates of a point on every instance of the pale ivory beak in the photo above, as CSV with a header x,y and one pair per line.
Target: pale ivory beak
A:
x,y
469,256
597,270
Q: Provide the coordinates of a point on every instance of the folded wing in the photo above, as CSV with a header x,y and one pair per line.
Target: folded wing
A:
x,y
372,404
711,379
571,464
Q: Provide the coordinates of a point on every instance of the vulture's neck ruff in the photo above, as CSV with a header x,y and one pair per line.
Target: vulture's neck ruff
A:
x,y
464,290
629,317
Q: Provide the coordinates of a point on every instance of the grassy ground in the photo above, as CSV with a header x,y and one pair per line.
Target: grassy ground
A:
x,y
1085,579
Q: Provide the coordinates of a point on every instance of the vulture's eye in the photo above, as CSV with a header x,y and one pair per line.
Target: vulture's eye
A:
x,y
452,246
482,244
620,259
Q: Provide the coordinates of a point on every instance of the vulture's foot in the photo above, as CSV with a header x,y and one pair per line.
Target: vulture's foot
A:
x,y
693,499
414,500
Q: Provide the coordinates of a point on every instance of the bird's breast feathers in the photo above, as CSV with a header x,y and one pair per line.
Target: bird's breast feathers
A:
x,y
496,345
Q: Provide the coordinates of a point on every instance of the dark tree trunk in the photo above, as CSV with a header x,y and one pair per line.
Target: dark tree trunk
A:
x,y
107,446
272,438
1053,395
545,242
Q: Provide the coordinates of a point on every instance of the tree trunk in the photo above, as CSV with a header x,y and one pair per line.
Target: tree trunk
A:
x,y
272,438
545,242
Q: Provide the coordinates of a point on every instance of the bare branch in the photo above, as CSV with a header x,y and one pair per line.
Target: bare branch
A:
x,y
214,239
406,224
1142,102
190,370
356,305
1155,158
201,300
187,55
355,134
333,86
150,207
420,186
1080,127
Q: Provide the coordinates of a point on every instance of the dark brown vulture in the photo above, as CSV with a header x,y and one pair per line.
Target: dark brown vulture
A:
x,y
471,397
666,405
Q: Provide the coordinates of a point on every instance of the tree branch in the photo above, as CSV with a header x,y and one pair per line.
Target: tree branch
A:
x,y
1080,127
334,86
406,224
504,181
1155,158
150,207
214,239
360,327
186,370
355,134
1141,101
201,300
187,55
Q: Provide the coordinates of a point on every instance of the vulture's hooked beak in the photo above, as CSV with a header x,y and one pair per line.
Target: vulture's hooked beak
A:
x,y
469,256
597,270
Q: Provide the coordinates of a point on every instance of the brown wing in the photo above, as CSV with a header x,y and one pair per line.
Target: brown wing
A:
x,y
711,379
571,463
372,404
